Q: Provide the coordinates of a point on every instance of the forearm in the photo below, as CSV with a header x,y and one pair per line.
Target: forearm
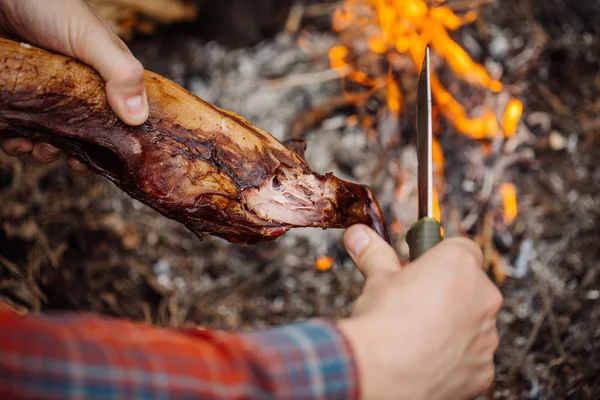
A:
x,y
69,356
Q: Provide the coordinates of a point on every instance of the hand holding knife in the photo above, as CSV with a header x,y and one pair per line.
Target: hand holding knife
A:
x,y
426,232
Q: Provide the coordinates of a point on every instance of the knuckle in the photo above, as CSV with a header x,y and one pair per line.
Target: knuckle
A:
x,y
9,146
484,381
461,255
496,299
488,378
78,38
377,254
490,343
131,72
495,340
469,259
47,151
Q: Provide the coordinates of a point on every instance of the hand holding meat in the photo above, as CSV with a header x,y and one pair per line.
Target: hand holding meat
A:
x,y
426,330
191,161
72,28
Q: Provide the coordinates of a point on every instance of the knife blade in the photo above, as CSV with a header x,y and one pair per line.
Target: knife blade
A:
x,y
426,232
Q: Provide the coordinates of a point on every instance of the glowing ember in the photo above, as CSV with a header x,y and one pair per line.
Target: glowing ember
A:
x,y
509,200
394,97
351,120
323,263
511,117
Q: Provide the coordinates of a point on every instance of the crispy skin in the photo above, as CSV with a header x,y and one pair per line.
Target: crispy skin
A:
x,y
205,167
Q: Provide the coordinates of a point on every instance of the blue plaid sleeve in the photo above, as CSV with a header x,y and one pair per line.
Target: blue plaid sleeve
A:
x,y
305,360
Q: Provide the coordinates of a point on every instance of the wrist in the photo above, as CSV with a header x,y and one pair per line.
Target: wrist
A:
x,y
382,374
353,332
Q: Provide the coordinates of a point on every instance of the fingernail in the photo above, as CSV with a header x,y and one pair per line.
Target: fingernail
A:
x,y
77,166
357,240
134,106
49,151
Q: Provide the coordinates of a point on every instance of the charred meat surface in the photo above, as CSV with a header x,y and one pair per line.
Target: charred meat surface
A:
x,y
203,166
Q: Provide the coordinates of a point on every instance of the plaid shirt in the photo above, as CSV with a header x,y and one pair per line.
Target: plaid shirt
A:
x,y
84,356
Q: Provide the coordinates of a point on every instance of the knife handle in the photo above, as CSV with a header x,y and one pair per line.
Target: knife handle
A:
x,y
422,236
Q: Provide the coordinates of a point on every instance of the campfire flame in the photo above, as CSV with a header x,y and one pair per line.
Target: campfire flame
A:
x,y
408,27
509,201
392,28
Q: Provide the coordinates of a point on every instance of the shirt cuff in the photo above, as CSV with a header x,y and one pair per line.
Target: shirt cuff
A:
x,y
306,360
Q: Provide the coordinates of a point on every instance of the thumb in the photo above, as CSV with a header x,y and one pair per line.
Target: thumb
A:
x,y
369,251
99,47
73,28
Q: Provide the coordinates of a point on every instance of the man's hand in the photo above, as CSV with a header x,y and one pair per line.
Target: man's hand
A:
x,y
426,330
72,28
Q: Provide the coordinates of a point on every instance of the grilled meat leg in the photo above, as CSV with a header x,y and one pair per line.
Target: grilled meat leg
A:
x,y
203,166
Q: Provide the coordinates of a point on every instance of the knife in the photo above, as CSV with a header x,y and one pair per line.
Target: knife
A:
x,y
426,232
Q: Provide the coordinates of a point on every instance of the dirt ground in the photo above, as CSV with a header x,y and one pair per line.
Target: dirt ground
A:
x,y
79,244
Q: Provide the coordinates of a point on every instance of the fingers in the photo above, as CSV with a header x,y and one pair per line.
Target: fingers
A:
x,y
96,45
453,251
78,167
125,89
369,251
44,152
74,29
41,152
17,147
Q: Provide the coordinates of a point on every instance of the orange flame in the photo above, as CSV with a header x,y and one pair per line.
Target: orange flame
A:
x,y
323,263
438,177
509,200
391,29
511,118
394,97
436,206
409,26
437,160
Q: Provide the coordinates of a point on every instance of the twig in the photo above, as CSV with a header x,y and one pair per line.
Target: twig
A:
x,y
146,310
17,309
461,5
547,302
319,9
294,20
554,101
311,78
308,119
14,269
33,263
530,340
43,239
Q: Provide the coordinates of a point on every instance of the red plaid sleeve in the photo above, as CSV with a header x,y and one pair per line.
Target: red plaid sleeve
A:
x,y
83,356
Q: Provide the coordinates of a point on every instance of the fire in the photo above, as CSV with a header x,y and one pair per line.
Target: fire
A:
x,y
408,27
323,263
511,117
509,200
391,29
